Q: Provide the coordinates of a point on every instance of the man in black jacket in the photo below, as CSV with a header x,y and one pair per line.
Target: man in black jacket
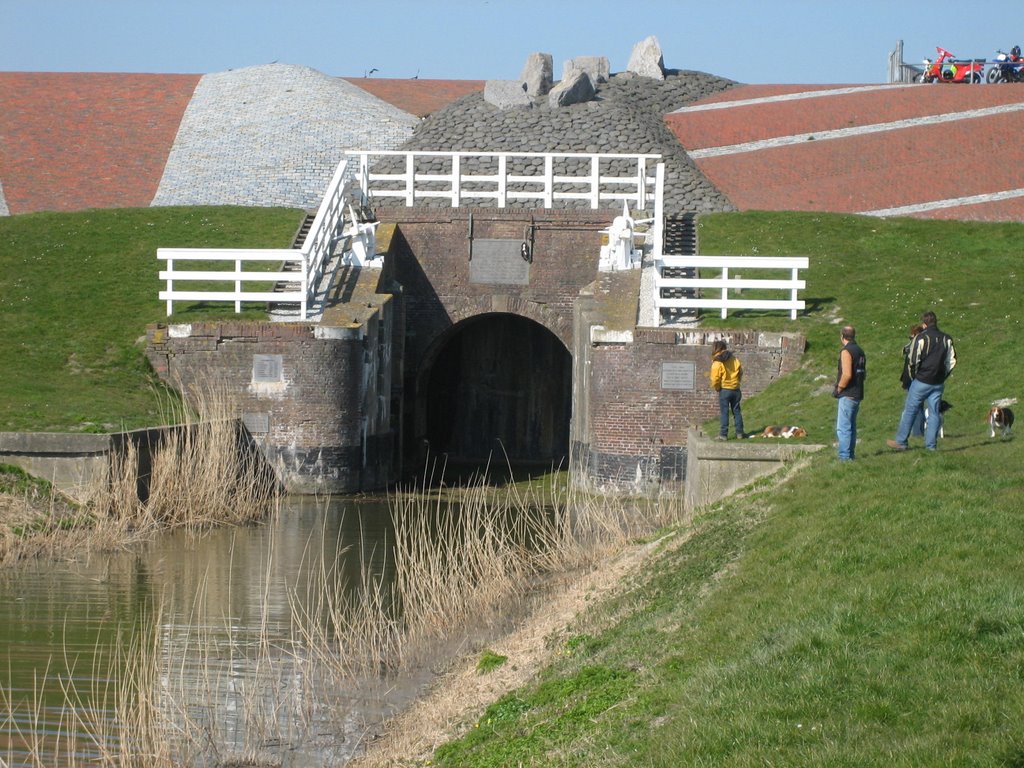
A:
x,y
931,360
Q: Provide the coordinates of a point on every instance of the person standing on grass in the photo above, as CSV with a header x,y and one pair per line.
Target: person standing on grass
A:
x,y
917,428
932,358
849,391
726,375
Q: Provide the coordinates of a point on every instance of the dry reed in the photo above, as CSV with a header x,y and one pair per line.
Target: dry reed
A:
x,y
454,560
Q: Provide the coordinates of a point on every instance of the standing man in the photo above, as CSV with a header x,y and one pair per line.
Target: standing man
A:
x,y
726,375
849,391
931,360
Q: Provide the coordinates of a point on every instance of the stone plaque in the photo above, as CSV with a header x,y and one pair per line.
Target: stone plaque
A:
x,y
257,423
499,262
678,375
267,369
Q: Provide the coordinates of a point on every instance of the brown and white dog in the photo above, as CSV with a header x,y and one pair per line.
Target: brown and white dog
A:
x,y
786,432
999,418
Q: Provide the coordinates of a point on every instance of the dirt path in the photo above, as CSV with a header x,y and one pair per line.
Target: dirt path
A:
x,y
461,695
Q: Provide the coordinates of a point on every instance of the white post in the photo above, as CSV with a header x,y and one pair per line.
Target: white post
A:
x,y
794,292
725,292
595,181
641,183
456,180
549,181
659,210
410,170
238,286
170,288
364,174
502,180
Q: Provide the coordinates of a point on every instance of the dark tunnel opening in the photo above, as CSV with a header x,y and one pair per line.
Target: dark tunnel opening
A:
x,y
500,390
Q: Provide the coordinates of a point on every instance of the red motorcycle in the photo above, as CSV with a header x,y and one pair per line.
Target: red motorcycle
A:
x,y
949,69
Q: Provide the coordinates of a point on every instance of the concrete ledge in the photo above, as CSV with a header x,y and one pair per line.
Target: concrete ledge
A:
x,y
71,461
715,469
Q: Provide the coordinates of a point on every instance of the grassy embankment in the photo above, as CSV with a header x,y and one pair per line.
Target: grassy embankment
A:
x,y
76,293
860,615
868,614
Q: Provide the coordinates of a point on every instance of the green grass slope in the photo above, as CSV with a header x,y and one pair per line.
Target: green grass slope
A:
x,y
869,614
76,293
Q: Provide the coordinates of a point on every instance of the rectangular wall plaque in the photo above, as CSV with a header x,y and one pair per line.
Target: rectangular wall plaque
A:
x,y
256,423
499,262
678,375
267,369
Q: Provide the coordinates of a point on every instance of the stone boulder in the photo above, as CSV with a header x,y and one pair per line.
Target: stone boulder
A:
x,y
646,59
575,90
507,94
537,74
595,66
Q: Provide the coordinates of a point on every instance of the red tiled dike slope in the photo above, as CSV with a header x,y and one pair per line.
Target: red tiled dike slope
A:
x,y
879,170
70,141
753,122
418,97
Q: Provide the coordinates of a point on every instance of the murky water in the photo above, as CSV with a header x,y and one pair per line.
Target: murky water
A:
x,y
222,633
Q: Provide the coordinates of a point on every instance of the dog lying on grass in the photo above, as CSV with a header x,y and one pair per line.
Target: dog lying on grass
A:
x,y
784,432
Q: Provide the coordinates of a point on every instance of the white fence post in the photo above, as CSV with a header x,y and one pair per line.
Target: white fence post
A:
x,y
549,181
502,180
456,180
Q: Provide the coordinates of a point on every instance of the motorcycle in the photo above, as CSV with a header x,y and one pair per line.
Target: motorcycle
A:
x,y
949,69
1007,67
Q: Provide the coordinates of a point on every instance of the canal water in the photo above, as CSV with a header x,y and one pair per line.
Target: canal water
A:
x,y
218,609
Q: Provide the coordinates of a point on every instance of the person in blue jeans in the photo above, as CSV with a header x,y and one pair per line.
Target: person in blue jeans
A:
x,y
726,375
849,391
932,359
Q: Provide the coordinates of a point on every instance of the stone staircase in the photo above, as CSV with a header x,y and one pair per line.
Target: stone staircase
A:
x,y
680,240
291,267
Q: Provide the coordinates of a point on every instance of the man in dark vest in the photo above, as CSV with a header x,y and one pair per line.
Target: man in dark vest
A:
x,y
849,391
931,360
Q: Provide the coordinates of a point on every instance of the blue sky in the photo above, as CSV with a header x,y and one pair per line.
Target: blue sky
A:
x,y
775,41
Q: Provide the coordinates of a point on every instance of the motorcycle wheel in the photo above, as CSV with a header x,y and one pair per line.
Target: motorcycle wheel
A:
x,y
975,77
993,75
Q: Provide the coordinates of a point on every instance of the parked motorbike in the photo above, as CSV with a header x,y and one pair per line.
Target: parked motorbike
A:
x,y
1007,67
949,69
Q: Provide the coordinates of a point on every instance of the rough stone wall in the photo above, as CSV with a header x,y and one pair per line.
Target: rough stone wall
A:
x,y
632,433
305,393
627,116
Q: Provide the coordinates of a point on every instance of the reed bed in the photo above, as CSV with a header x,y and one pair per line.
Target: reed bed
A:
x,y
202,472
458,562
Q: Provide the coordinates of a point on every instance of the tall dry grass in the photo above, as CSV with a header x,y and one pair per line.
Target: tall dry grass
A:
x,y
457,562
203,471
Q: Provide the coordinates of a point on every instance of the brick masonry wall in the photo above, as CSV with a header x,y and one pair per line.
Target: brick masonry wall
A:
x,y
633,430
306,393
432,263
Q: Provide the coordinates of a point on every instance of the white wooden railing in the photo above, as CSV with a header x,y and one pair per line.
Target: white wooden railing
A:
x,y
327,228
459,184
729,284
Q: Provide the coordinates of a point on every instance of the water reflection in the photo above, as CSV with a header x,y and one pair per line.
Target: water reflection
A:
x,y
219,610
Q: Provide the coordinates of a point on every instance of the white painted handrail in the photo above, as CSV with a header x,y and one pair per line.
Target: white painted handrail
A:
x,y
727,282
460,185
312,259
